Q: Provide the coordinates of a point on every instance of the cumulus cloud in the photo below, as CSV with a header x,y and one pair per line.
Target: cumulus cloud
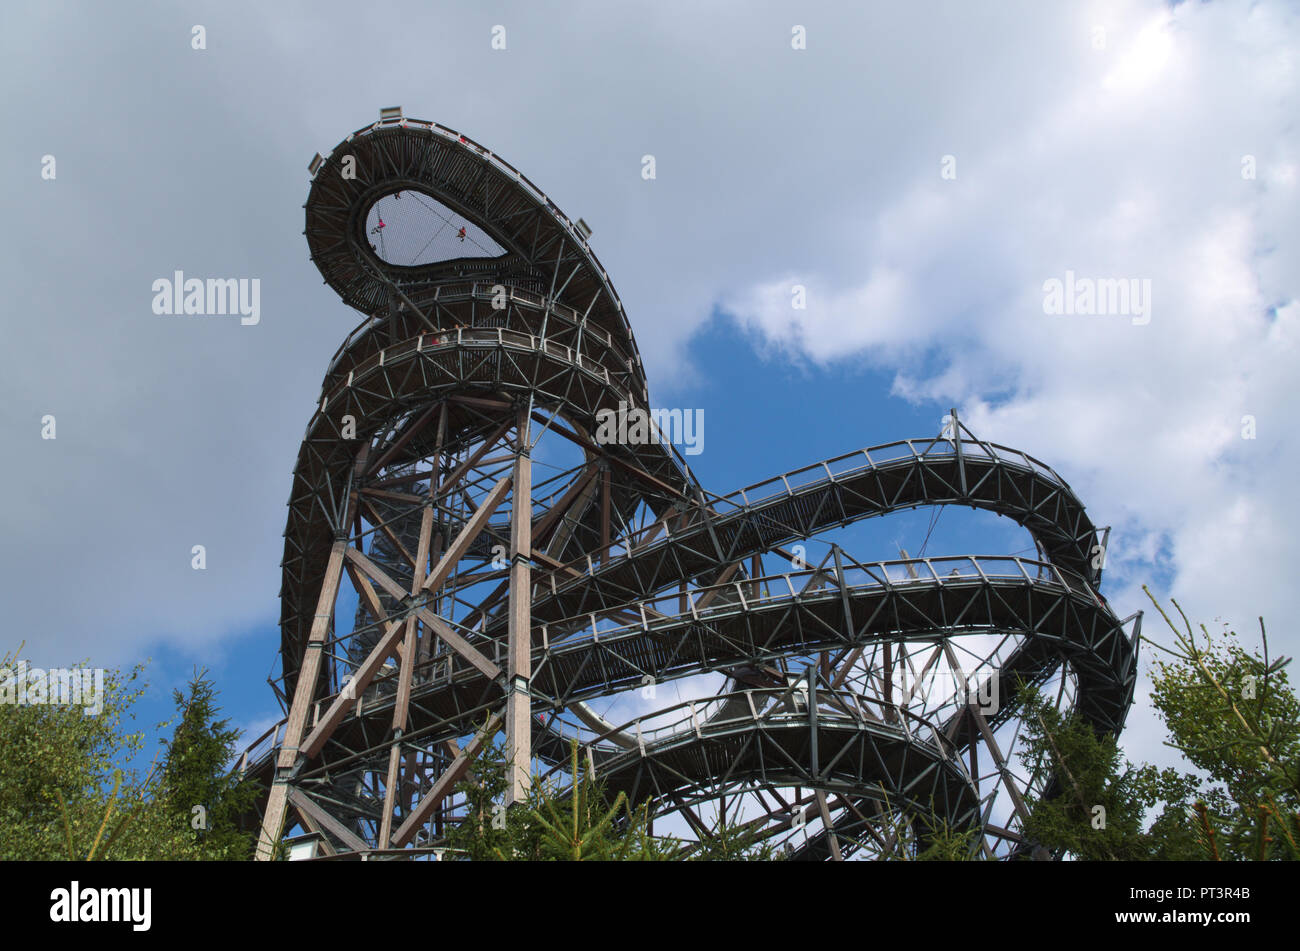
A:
x,y
1137,168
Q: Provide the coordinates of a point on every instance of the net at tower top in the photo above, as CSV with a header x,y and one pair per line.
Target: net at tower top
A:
x,y
409,229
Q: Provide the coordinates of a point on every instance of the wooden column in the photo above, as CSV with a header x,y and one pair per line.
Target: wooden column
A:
x,y
402,706
519,668
273,820
604,512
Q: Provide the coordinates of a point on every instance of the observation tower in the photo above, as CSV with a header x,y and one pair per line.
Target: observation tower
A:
x,y
463,561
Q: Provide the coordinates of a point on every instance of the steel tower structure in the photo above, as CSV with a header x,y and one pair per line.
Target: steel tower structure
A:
x,y
508,569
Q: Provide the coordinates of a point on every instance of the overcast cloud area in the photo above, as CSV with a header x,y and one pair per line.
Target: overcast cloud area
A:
x,y
1106,139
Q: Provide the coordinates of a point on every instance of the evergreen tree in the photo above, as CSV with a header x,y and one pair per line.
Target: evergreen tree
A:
x,y
1232,714
196,783
1102,800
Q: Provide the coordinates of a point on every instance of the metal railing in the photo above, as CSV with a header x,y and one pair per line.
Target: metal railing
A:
x,y
756,706
817,476
853,579
501,165
463,337
481,291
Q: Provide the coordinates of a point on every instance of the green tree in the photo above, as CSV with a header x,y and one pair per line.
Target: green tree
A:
x,y
580,825
196,784
62,792
917,835
584,826
490,831
1234,715
67,793
1102,800
733,842
943,842
1230,712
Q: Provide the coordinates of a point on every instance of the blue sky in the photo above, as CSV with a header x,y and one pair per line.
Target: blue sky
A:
x,y
1109,139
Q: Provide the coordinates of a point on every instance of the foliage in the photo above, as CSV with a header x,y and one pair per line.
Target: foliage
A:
x,y
489,829
944,842
919,836
579,824
1101,800
195,784
584,826
63,794
1233,714
733,842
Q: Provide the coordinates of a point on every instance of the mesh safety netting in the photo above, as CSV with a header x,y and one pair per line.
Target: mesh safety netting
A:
x,y
409,229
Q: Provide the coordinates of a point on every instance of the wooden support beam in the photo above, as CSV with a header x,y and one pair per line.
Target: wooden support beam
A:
x,y
407,498
604,514
390,792
544,525
846,667
304,804
311,663
407,479
325,844
456,550
519,667
598,450
401,707
485,605
367,593
1008,781
435,543
405,438
347,698
554,565
439,626
701,830
425,549
388,532
479,402
717,587
472,460
304,690
445,783
831,837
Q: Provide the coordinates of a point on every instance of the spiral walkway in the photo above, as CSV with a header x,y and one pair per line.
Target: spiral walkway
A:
x,y
509,571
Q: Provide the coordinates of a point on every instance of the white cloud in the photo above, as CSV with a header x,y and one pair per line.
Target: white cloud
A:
x,y
1131,170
